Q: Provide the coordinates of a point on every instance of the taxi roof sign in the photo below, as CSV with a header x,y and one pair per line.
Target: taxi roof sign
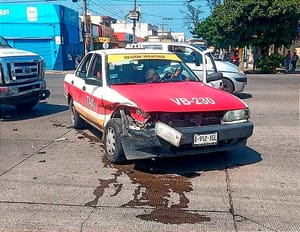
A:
x,y
134,45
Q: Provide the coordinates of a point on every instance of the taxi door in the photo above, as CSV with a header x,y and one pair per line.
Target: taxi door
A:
x,y
92,92
77,81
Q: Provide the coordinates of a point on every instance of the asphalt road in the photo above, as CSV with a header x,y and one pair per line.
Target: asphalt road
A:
x,y
54,178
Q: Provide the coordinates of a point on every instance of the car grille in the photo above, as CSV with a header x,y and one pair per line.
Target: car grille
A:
x,y
190,119
19,71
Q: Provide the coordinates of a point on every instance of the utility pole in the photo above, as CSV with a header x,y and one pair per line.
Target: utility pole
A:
x,y
134,15
164,24
86,29
134,23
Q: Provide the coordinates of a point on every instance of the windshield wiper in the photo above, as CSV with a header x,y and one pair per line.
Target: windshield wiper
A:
x,y
125,83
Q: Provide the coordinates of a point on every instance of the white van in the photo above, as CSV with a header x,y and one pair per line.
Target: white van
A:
x,y
234,80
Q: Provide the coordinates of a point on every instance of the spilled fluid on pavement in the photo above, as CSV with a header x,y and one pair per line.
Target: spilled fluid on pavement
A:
x,y
163,194
153,191
156,190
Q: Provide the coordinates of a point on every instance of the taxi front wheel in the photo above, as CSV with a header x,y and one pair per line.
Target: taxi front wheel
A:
x,y
112,140
76,121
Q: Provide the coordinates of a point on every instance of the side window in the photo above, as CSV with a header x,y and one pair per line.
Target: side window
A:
x,y
210,62
197,57
95,70
83,66
186,54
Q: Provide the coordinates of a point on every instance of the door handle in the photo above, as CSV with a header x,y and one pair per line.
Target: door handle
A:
x,y
83,88
72,82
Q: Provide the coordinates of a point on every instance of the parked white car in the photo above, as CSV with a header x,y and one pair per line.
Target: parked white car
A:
x,y
234,79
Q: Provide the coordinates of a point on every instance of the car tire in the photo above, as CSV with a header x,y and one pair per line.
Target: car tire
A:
x,y
227,85
76,121
112,140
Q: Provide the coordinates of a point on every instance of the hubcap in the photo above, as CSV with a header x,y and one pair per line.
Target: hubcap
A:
x,y
110,141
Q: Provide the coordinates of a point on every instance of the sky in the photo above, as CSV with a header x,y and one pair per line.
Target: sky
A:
x,y
165,14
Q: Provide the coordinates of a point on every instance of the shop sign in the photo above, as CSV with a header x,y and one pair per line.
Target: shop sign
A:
x,y
104,39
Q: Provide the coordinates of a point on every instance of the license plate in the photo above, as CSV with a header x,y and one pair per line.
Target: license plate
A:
x,y
206,139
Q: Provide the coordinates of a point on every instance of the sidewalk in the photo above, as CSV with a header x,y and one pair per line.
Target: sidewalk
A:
x,y
278,71
59,71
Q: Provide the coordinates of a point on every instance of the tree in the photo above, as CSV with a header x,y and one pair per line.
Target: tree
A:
x,y
212,4
192,15
258,23
206,29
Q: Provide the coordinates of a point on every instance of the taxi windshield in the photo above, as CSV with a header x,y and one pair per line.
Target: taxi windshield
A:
x,y
143,71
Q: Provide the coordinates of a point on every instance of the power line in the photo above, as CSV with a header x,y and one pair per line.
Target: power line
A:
x,y
119,9
112,12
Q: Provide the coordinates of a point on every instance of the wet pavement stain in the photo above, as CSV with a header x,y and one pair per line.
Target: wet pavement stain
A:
x,y
41,152
99,191
157,191
165,193
57,124
168,216
104,184
91,138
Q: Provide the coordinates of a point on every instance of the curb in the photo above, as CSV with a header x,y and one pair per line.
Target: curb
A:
x,y
278,71
59,71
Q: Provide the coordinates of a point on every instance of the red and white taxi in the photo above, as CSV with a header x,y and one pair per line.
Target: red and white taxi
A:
x,y
172,115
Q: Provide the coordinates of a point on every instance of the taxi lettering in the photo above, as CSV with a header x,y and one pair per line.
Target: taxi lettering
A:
x,y
91,102
148,56
194,100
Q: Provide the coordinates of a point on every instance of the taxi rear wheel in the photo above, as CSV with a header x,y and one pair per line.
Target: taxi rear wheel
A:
x,y
112,140
76,121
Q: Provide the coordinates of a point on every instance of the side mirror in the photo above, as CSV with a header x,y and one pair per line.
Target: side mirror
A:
x,y
216,76
93,81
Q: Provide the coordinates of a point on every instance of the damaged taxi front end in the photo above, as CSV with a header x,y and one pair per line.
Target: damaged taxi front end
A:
x,y
183,122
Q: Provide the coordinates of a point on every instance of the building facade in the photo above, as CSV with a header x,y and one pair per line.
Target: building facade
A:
x,y
142,30
51,31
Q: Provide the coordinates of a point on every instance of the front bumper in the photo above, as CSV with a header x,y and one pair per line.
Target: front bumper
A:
x,y
240,82
23,93
146,144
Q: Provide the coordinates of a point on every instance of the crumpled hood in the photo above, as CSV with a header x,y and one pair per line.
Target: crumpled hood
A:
x,y
10,52
179,97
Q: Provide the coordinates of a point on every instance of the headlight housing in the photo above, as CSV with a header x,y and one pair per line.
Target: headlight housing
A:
x,y
236,116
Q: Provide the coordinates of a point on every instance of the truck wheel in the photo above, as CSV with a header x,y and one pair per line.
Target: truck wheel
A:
x,y
27,105
112,140
76,121
227,85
